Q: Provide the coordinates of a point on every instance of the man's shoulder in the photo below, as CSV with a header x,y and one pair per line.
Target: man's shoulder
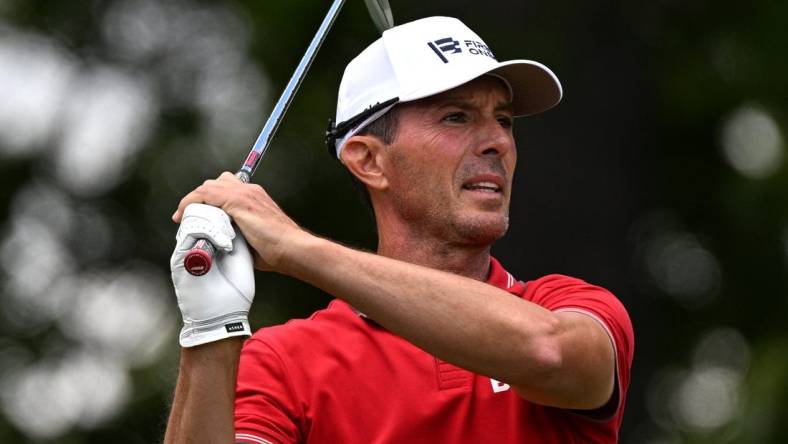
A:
x,y
565,293
324,326
501,278
335,344
560,284
561,292
556,280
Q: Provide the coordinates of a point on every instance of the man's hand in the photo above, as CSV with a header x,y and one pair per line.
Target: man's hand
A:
x,y
216,305
264,225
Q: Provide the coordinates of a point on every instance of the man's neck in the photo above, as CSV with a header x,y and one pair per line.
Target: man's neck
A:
x,y
468,261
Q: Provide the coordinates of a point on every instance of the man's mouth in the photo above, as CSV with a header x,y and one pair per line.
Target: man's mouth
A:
x,y
484,183
487,187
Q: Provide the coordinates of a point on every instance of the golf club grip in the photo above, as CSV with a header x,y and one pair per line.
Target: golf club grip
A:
x,y
199,259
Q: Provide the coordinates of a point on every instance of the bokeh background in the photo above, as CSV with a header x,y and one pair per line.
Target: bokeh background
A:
x,y
661,176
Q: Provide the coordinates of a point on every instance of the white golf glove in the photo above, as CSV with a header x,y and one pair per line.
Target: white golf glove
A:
x,y
215,305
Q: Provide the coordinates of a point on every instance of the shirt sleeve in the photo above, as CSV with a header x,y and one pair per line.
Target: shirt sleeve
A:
x,y
266,406
562,293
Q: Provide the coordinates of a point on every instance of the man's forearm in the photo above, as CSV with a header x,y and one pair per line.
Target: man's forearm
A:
x,y
562,360
202,411
461,320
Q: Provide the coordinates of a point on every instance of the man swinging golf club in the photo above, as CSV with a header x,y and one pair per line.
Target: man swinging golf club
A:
x,y
430,340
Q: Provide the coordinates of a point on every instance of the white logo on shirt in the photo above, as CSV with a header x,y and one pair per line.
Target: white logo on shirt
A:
x,y
499,386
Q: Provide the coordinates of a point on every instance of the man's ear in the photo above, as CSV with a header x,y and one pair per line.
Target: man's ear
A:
x,y
363,156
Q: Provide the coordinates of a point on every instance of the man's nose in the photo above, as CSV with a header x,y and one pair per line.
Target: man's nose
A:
x,y
495,141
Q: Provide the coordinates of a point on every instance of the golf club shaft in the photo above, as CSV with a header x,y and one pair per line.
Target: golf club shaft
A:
x,y
267,133
199,259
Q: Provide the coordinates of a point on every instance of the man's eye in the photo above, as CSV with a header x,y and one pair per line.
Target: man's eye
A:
x,y
505,121
457,117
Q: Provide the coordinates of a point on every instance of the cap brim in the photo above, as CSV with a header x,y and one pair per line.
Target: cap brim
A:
x,y
534,86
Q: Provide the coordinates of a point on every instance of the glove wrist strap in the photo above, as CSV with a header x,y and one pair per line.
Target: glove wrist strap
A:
x,y
193,334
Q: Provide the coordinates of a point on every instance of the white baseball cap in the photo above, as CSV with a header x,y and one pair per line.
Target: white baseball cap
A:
x,y
427,57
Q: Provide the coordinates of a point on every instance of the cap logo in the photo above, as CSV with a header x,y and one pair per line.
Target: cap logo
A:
x,y
448,45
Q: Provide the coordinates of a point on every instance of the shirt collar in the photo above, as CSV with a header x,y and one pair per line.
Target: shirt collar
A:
x,y
499,277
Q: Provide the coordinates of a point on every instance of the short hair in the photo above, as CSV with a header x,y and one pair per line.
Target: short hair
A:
x,y
384,128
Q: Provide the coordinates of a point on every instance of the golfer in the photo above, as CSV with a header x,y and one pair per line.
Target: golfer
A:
x,y
429,339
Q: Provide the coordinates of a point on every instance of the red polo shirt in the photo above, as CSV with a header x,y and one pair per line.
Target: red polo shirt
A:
x,y
340,378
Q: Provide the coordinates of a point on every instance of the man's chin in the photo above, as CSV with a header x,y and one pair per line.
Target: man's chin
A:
x,y
482,229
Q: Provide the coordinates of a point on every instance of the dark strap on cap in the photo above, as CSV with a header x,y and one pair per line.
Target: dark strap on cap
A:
x,y
334,132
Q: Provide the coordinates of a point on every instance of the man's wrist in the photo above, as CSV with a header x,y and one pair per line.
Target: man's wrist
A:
x,y
228,347
301,247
